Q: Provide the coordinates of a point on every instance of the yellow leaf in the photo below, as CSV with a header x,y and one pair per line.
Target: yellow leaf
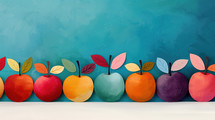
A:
x,y
27,65
148,66
57,69
13,64
132,67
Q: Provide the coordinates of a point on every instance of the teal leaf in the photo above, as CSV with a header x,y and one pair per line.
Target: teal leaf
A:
x,y
162,65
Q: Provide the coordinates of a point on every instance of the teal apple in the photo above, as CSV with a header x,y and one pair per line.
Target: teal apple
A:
x,y
109,87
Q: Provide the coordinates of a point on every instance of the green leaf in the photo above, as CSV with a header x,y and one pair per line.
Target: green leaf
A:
x,y
27,65
70,66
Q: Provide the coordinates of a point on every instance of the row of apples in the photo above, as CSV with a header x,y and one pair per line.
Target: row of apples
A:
x,y
140,86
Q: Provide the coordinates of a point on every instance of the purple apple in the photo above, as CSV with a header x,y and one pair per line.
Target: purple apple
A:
x,y
172,88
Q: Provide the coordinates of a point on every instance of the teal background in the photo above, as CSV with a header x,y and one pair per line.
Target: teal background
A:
x,y
75,29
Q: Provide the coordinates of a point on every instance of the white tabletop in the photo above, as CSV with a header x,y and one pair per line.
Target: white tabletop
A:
x,y
107,111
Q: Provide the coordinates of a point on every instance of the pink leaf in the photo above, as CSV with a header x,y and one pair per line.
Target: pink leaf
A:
x,y
179,64
118,61
197,62
99,60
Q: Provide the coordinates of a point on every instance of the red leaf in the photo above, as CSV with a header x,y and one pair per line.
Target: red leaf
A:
x,y
88,68
99,60
2,63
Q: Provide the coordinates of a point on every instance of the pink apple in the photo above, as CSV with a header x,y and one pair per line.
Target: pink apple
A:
x,y
201,87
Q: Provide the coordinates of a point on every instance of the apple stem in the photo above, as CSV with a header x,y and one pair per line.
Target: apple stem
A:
x,y
170,65
48,64
109,64
141,64
19,69
206,67
79,71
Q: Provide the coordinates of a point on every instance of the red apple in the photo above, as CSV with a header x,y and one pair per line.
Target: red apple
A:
x,y
48,88
18,88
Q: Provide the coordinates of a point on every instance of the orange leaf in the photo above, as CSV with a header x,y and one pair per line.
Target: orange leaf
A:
x,y
41,68
212,68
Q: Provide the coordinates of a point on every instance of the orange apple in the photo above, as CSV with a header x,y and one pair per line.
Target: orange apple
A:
x,y
141,86
1,87
2,65
78,88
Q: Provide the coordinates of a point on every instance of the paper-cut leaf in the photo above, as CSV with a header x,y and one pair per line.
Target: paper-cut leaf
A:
x,y
197,62
148,66
57,69
212,68
132,67
88,68
99,60
69,65
2,63
162,65
41,68
179,64
13,64
118,61
27,65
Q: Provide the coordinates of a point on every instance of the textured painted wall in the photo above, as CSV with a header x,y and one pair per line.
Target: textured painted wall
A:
x,y
75,29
